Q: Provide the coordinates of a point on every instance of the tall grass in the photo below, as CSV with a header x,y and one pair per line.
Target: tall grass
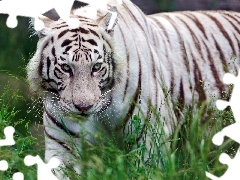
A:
x,y
191,152
15,154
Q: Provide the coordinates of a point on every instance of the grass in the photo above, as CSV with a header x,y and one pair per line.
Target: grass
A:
x,y
191,152
190,155
24,143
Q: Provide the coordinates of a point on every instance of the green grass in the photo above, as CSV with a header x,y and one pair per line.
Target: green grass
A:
x,y
191,152
15,154
190,155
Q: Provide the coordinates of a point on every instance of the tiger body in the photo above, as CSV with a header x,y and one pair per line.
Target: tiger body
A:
x,y
140,58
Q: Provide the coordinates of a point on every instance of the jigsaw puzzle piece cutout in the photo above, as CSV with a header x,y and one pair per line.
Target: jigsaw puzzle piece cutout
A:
x,y
18,176
44,170
221,104
229,78
30,8
8,141
232,172
63,9
234,101
12,21
232,131
3,165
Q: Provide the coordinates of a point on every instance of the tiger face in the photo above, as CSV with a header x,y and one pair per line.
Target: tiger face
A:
x,y
77,65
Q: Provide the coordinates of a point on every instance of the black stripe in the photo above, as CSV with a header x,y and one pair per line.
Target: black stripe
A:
x,y
75,35
62,33
222,57
67,49
66,42
60,125
94,32
181,94
55,72
82,30
136,21
58,27
50,88
56,140
40,67
128,58
235,28
86,20
93,25
222,30
215,73
194,37
162,27
181,42
197,23
62,58
54,55
48,66
197,77
91,41
53,52
232,17
135,98
105,71
52,39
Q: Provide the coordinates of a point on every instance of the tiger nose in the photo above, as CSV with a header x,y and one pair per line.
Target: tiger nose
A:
x,y
82,108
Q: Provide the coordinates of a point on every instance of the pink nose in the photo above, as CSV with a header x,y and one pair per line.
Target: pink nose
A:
x,y
83,108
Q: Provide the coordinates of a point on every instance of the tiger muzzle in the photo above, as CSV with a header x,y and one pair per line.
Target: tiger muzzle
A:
x,y
82,108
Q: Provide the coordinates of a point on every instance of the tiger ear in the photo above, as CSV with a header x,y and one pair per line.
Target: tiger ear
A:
x,y
42,25
109,21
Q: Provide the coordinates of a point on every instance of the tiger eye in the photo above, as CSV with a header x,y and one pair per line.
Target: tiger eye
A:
x,y
65,67
96,67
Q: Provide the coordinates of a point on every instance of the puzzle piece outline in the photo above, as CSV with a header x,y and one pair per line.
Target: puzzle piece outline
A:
x,y
8,141
231,131
28,160
63,8
44,169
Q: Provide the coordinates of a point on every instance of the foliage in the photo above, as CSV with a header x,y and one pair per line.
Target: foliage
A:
x,y
191,152
15,154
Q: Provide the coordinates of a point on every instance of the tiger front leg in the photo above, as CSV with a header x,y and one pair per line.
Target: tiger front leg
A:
x,y
66,139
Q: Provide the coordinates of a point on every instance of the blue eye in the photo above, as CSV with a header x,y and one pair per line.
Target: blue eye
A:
x,y
66,67
96,67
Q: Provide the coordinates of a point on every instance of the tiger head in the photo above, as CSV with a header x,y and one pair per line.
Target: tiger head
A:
x,y
77,65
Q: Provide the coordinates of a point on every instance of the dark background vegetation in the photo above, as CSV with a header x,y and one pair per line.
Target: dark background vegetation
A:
x,y
16,47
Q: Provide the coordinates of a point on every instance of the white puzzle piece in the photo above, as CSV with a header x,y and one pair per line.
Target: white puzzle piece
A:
x,y
35,8
8,141
44,170
3,165
232,131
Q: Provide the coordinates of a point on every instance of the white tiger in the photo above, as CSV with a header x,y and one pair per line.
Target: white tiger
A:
x,y
103,76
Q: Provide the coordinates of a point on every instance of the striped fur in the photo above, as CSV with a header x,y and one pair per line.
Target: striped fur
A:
x,y
105,76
